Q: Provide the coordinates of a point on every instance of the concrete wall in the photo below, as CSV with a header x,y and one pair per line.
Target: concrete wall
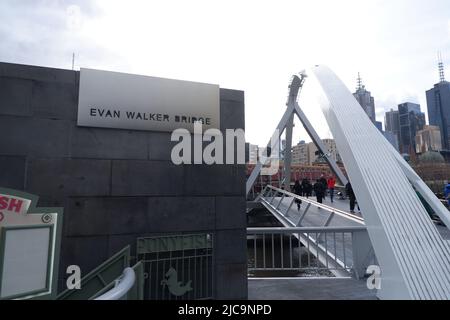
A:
x,y
116,185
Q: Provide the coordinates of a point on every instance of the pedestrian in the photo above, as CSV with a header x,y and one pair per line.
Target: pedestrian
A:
x,y
331,183
447,194
308,189
323,181
304,187
352,197
319,190
298,190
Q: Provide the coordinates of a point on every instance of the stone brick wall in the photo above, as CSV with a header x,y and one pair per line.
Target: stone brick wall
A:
x,y
116,185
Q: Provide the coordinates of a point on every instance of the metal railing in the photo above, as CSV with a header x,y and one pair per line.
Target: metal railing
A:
x,y
306,250
122,286
182,271
270,194
343,251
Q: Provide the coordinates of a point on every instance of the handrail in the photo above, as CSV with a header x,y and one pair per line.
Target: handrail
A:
x,y
122,286
305,230
325,207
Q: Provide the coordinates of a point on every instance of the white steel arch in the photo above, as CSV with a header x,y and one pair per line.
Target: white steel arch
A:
x,y
286,123
414,258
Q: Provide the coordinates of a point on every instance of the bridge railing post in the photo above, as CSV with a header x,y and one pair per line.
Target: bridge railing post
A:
x,y
327,223
299,223
286,214
361,249
279,203
269,192
275,193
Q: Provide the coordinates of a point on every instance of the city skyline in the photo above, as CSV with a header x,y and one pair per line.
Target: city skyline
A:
x,y
240,45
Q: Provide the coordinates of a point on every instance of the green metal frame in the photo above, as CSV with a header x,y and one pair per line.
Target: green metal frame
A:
x,y
209,244
101,278
56,237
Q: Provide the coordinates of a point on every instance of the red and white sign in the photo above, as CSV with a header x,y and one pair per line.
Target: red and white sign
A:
x,y
12,208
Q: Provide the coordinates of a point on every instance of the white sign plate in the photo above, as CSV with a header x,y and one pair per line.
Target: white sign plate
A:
x,y
26,259
126,101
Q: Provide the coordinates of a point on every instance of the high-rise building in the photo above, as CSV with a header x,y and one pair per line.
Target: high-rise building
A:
x,y
300,154
392,128
392,138
308,154
391,122
365,99
253,154
379,125
332,149
411,120
428,139
438,103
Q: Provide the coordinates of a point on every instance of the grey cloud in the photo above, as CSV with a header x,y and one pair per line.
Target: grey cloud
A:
x,y
37,32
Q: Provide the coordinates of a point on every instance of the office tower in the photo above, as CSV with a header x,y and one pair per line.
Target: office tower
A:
x,y
308,154
300,154
379,126
438,103
365,99
253,154
391,122
411,120
428,139
330,145
392,138
392,128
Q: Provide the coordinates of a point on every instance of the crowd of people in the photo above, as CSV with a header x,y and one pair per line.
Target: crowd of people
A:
x,y
321,187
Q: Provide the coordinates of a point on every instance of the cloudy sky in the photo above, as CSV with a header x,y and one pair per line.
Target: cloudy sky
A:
x,y
253,46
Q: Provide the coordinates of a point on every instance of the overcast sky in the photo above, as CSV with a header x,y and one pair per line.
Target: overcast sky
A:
x,y
253,46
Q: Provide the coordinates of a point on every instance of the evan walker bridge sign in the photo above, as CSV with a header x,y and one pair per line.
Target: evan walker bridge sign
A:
x,y
125,101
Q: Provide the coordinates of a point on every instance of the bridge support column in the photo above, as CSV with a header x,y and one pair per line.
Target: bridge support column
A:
x,y
288,154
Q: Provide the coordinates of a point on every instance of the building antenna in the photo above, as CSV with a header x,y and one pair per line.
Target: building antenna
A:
x,y
441,67
359,82
73,61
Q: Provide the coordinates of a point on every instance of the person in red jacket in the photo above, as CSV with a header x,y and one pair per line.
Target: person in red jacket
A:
x,y
331,183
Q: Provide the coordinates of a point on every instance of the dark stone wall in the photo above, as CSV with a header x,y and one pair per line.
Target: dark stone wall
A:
x,y
116,185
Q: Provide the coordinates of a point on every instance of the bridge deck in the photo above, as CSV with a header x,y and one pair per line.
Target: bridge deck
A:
x,y
309,289
340,245
317,217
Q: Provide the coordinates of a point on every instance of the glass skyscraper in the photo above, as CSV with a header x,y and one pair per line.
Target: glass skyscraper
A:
x,y
366,101
438,102
411,120
391,122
